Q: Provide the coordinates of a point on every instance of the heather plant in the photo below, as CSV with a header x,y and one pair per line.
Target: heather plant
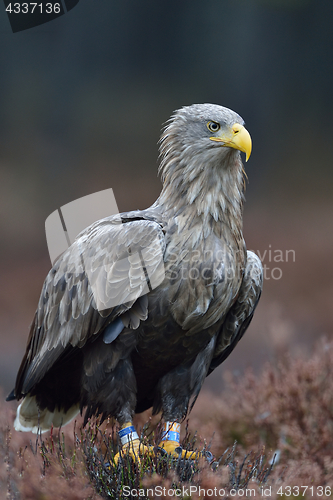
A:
x,y
288,409
48,468
281,419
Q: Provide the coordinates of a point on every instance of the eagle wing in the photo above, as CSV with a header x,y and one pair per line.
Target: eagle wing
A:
x,y
103,275
240,314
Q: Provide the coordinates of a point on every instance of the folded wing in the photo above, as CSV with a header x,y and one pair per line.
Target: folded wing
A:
x,y
98,279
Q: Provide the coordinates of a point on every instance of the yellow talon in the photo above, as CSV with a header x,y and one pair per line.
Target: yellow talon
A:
x,y
170,447
174,449
191,455
134,449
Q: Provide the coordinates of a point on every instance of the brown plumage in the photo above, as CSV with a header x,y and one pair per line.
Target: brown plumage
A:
x,y
107,340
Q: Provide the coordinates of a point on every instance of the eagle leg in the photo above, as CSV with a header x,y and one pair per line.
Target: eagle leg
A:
x,y
177,394
170,438
131,444
170,442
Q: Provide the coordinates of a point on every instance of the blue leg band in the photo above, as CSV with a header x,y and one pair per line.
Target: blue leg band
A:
x,y
128,434
171,431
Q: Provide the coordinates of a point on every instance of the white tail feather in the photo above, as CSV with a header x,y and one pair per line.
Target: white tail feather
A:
x,y
29,418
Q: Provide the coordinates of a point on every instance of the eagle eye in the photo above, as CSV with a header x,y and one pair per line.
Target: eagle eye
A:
x,y
213,126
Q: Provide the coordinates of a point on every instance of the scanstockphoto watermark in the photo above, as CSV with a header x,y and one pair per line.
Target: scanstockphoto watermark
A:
x,y
187,492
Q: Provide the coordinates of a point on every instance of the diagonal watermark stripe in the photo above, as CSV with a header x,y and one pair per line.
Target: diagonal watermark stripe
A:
x,y
136,270
64,224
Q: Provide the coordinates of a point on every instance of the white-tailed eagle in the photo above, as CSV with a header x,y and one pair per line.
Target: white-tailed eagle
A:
x,y
111,340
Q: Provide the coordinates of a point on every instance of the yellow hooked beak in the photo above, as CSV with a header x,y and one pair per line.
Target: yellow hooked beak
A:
x,y
236,137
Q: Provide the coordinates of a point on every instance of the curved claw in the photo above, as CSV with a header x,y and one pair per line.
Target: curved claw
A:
x,y
134,449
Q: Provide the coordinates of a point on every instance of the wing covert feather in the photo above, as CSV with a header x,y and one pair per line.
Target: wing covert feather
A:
x,y
98,278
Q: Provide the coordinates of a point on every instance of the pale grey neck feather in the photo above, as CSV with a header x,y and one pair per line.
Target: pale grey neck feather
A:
x,y
207,183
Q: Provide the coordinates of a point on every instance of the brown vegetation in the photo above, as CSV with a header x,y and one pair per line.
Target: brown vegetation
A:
x,y
287,411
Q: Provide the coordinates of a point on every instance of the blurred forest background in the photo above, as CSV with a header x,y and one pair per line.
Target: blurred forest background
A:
x,y
82,102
